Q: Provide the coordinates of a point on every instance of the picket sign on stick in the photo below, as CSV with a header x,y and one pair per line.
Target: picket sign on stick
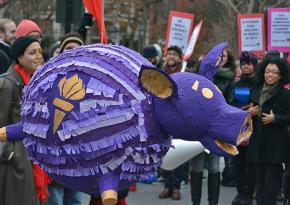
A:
x,y
251,33
191,44
179,26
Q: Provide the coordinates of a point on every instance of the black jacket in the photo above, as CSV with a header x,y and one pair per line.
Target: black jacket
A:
x,y
270,143
5,57
16,178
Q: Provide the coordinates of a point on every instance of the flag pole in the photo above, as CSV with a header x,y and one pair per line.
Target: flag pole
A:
x,y
103,22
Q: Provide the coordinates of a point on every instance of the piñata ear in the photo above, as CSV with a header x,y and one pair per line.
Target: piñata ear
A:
x,y
210,63
156,82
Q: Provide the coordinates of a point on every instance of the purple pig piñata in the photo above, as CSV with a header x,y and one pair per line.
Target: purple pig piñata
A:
x,y
99,118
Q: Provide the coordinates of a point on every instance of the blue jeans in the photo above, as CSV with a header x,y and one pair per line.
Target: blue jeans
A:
x,y
213,163
60,195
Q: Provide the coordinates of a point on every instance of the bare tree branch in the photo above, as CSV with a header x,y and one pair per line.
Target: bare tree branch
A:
x,y
234,7
250,6
239,4
262,6
5,3
279,3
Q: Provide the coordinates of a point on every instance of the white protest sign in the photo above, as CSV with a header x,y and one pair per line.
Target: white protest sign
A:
x,y
192,41
178,29
279,29
251,33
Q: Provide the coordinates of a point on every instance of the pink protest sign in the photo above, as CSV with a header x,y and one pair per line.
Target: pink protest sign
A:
x,y
279,29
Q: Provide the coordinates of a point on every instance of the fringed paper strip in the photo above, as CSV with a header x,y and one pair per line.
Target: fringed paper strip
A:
x,y
38,130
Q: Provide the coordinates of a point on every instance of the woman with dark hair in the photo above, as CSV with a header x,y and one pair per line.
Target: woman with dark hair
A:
x,y
269,145
224,79
244,172
21,181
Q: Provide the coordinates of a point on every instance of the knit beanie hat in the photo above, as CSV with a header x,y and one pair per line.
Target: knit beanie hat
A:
x,y
149,52
19,46
70,38
273,54
26,27
175,48
248,57
52,48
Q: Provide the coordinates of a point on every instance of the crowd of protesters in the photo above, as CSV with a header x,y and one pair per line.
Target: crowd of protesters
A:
x,y
261,169
259,85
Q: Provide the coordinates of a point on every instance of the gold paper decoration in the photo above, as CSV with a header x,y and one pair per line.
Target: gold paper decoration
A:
x,y
69,89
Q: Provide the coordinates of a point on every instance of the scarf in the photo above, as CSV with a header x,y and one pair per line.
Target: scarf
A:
x,y
266,93
246,81
224,73
41,179
24,76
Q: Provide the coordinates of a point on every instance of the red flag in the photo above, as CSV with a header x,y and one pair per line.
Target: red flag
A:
x,y
95,7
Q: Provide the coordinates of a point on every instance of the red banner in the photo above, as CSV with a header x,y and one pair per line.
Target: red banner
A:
x,y
95,7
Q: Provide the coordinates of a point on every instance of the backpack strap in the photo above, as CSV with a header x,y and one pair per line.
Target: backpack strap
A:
x,y
15,87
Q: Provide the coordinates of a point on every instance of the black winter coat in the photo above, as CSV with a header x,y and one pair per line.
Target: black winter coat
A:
x,y
270,143
16,178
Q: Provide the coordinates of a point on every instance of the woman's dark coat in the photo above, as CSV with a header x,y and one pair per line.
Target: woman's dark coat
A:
x,y
16,178
270,143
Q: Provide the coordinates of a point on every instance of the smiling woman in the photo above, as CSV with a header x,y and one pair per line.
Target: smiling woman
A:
x,y
269,145
14,163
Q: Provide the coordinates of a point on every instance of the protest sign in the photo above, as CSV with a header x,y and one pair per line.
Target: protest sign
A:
x,y
192,41
251,34
279,29
179,28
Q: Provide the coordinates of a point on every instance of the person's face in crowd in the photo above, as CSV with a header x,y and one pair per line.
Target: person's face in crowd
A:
x,y
32,57
36,35
9,35
247,68
239,73
153,60
225,58
173,58
71,45
272,74
56,52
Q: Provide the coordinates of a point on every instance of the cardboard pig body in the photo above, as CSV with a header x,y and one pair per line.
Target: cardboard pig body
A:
x,y
99,117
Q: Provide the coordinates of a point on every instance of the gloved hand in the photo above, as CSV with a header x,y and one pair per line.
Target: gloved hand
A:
x,y
86,22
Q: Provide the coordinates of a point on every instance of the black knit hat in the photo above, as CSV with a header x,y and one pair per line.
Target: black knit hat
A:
x,y
248,57
149,52
72,37
175,48
19,46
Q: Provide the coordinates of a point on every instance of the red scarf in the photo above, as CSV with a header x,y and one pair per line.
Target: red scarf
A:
x,y
41,179
24,76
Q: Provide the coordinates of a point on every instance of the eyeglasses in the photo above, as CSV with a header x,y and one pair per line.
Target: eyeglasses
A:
x,y
272,72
